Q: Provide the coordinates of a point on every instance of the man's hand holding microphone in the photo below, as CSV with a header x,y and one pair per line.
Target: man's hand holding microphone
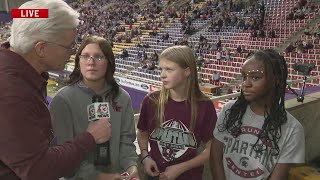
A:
x,y
98,112
100,130
98,117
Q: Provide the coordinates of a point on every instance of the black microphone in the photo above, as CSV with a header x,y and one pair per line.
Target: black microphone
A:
x,y
98,110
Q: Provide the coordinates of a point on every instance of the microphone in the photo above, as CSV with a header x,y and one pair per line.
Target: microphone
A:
x,y
98,110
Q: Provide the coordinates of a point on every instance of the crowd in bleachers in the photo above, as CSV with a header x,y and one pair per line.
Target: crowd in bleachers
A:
x,y
238,14
103,18
115,20
221,32
4,31
308,41
222,44
301,8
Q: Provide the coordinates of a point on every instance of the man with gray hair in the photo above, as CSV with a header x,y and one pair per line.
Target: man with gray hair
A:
x,y
27,142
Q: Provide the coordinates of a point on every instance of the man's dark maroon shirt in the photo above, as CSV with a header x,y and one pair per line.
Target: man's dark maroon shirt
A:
x,y
27,150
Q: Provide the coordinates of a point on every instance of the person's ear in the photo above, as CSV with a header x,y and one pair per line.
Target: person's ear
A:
x,y
187,71
39,48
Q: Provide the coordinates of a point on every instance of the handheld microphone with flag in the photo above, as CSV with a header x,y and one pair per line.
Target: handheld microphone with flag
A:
x,y
98,110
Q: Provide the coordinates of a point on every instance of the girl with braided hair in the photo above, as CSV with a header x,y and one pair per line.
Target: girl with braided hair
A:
x,y
255,137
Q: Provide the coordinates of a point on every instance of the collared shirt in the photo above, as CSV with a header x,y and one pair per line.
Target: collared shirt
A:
x,y
26,136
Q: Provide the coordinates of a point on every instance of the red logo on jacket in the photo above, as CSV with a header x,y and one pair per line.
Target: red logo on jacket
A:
x,y
115,107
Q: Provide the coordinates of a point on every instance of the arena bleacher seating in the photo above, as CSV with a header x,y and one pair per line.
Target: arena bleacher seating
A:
x,y
231,36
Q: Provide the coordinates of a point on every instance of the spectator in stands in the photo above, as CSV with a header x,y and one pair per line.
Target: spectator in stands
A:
x,y
145,64
229,91
206,46
151,65
312,7
202,40
212,26
299,46
261,33
307,31
154,57
280,137
290,16
215,76
239,49
299,14
200,62
128,38
28,149
124,54
184,41
316,33
219,56
307,44
290,48
140,40
300,49
220,23
95,67
191,44
153,33
272,34
146,45
254,33
219,43
302,3
190,29
228,54
139,54
179,105
165,36
144,55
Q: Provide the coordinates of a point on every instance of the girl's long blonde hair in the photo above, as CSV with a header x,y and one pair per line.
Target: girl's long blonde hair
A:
x,y
184,57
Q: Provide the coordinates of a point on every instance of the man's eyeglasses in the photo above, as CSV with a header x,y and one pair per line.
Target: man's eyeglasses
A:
x,y
71,49
87,58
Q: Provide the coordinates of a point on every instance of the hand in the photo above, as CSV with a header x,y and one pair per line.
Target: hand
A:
x,y
133,172
100,130
109,176
150,167
171,172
